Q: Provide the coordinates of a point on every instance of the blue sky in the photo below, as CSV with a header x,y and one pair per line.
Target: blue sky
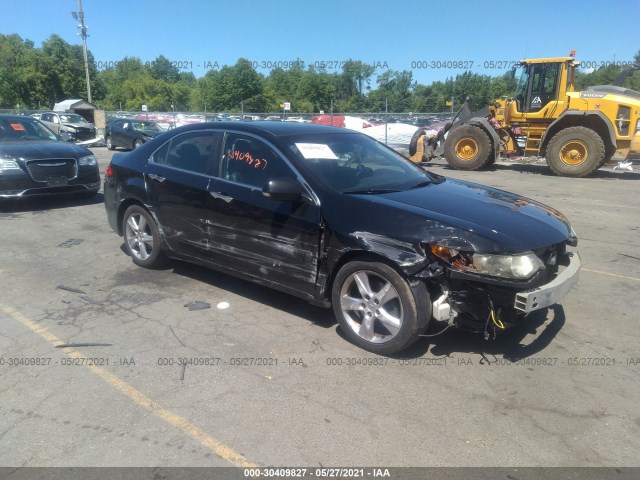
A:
x,y
421,36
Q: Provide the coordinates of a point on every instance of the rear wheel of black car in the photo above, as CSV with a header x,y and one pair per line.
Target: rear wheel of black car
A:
x,y
142,238
137,144
375,307
109,143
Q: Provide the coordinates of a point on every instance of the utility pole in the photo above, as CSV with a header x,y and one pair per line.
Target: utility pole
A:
x,y
83,33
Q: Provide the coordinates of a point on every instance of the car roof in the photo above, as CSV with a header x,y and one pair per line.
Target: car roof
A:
x,y
274,128
133,119
11,116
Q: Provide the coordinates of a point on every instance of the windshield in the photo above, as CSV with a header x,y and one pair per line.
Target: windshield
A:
x,y
27,129
148,127
522,81
72,118
355,163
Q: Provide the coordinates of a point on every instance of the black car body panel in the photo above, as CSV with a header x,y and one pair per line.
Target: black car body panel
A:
x,y
212,218
42,165
124,132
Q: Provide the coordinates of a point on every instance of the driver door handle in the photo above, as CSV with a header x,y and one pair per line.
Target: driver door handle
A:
x,y
157,178
221,196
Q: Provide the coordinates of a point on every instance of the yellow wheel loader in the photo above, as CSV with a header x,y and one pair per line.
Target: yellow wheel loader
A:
x,y
577,132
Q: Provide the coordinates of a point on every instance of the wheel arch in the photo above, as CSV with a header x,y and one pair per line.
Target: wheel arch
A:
x,y
358,255
418,286
122,208
484,124
591,119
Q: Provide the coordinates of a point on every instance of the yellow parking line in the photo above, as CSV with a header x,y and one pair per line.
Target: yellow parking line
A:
x,y
219,448
610,274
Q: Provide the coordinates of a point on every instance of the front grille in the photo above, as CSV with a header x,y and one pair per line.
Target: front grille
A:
x,y
85,133
41,170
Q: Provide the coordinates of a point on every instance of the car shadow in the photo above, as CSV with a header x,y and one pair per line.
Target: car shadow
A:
x,y
53,202
298,307
544,170
543,324
526,339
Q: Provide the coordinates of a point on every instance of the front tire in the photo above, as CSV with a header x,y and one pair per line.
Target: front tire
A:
x,y
137,144
110,145
376,307
575,152
142,238
467,148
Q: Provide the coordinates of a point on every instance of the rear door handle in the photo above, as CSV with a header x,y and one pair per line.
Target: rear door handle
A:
x,y
157,178
221,196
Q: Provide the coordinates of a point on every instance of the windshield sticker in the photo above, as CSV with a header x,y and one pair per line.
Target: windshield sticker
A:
x,y
17,127
317,151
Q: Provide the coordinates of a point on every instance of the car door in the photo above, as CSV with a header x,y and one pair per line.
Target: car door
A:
x,y
177,178
48,120
275,241
115,130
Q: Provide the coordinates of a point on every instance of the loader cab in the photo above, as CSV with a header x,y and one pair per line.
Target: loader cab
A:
x,y
541,89
537,86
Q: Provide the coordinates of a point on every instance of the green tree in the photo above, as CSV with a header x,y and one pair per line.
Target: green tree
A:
x,y
229,88
162,69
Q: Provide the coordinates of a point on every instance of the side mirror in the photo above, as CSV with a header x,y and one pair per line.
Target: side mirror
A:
x,y
283,190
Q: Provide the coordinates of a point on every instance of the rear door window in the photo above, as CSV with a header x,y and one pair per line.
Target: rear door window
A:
x,y
195,152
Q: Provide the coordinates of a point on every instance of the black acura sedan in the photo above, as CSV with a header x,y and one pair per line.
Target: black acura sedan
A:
x,y
341,220
35,161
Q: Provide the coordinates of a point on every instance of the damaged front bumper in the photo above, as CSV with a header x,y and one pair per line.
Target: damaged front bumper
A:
x,y
549,294
470,302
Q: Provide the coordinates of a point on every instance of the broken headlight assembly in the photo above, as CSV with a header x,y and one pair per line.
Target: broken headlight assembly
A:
x,y
515,267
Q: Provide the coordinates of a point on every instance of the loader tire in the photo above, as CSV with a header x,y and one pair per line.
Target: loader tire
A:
x,y
575,152
468,148
413,145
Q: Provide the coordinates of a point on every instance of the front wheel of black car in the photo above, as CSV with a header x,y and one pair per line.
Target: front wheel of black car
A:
x,y
110,145
142,238
137,144
375,307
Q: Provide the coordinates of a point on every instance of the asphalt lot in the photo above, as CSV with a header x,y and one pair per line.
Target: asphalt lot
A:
x,y
278,385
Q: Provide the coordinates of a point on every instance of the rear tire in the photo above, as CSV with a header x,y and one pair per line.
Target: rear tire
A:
x,y
142,238
575,152
467,148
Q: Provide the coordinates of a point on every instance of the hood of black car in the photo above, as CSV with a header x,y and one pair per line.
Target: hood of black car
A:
x,y
41,150
480,217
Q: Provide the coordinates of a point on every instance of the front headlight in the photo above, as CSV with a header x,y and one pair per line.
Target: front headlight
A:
x,y
508,266
519,267
8,165
88,160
